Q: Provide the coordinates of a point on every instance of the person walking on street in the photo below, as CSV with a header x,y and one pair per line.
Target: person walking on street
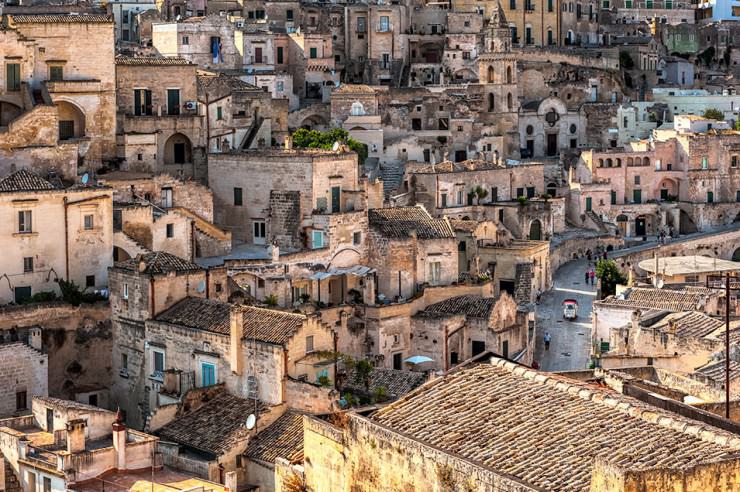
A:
x,y
586,277
547,340
591,275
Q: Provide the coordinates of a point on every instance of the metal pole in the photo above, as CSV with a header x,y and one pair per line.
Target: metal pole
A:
x,y
727,346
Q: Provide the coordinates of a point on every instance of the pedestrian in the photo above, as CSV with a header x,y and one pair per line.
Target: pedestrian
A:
x,y
587,276
539,295
535,364
547,340
606,256
591,275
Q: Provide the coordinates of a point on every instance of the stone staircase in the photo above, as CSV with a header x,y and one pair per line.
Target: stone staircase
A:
x,y
12,484
392,175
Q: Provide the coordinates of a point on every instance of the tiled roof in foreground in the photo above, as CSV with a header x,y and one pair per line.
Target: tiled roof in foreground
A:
x,y
398,222
270,325
158,262
150,60
547,430
473,306
670,300
201,314
281,439
62,18
25,180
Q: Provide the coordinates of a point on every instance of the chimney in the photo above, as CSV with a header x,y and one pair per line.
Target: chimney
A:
x,y
141,263
275,253
119,441
230,481
236,322
76,436
288,142
34,337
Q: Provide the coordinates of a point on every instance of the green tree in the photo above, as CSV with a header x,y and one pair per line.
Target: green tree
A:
x,y
609,274
480,193
314,139
714,114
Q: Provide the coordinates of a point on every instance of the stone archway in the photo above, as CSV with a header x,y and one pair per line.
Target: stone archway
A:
x,y
736,255
178,150
535,230
71,120
314,122
8,112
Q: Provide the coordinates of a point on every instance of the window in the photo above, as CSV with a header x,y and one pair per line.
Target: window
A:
x,y
13,77
289,15
185,40
173,102
435,272
444,200
28,264
313,53
56,73
124,363
157,364
705,163
207,374
361,25
317,239
459,197
512,4
170,230
357,238
309,344
733,161
219,113
637,180
238,197
280,54
444,124
125,291
47,484
21,400
66,129
25,221
614,197
385,24
416,123
142,102
549,5
530,191
90,281
89,222
710,197
280,86
519,192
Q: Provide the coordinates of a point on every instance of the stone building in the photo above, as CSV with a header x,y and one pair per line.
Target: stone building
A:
x,y
160,127
305,199
440,450
211,42
25,374
409,248
58,98
53,233
65,443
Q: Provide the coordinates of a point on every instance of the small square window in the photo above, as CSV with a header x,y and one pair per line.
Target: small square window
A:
x,y
21,400
124,294
238,197
170,230
139,157
25,221
218,287
56,73
260,283
219,113
28,264
317,239
637,180
185,40
309,344
357,238
89,222
90,281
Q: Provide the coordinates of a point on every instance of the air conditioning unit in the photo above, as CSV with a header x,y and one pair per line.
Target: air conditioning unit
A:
x,y
191,105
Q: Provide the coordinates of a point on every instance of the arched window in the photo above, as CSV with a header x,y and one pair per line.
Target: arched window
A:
x,y
646,161
619,162
490,102
490,73
608,163
630,162
601,162
509,101
357,109
508,75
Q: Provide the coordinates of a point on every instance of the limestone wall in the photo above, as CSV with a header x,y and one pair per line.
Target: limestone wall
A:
x,y
22,369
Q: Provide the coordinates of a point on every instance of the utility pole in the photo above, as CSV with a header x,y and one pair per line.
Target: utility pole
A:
x,y
728,277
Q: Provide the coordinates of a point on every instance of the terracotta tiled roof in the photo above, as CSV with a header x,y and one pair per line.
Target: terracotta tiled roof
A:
x,y
269,325
353,89
68,404
150,60
396,383
398,222
670,300
25,180
201,314
62,19
715,371
464,225
472,306
547,430
159,262
689,325
282,439
216,427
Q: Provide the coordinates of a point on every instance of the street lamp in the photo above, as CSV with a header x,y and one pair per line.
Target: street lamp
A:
x,y
730,281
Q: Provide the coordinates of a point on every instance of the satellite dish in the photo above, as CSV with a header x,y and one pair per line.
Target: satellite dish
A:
x,y
251,421
335,147
201,286
85,178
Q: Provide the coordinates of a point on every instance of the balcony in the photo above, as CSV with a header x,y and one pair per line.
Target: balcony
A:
x,y
73,86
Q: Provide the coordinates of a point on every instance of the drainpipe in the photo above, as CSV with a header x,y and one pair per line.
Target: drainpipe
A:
x,y
446,365
208,283
151,296
66,240
336,360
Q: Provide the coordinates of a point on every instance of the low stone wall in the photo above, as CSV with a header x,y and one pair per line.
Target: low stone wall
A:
x,y
566,250
308,397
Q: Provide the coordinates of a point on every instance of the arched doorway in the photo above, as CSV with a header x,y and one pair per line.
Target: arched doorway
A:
x,y
686,224
314,122
668,189
640,225
736,255
552,189
8,112
535,230
71,121
120,254
178,150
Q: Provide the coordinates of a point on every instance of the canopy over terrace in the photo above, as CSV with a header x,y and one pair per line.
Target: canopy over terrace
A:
x,y
339,285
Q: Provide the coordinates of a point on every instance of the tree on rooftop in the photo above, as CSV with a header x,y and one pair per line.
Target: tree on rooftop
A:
x,y
610,276
714,114
314,139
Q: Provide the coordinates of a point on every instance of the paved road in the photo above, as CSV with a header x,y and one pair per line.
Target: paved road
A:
x,y
570,345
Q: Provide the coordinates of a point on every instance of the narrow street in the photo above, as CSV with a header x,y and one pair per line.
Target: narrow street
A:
x,y
570,340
